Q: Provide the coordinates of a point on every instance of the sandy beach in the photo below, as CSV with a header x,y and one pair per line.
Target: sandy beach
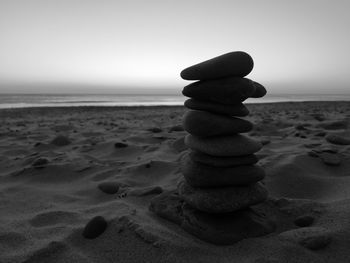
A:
x,y
54,160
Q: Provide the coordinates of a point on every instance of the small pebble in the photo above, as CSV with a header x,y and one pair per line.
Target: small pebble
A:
x,y
61,140
40,162
109,187
303,221
120,145
337,139
331,159
95,227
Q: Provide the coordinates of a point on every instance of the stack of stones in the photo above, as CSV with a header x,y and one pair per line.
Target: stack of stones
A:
x,y
221,178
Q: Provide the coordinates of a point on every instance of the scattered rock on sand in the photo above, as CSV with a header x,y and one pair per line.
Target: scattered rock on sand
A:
x,y
201,123
222,200
40,162
304,220
337,139
142,191
95,227
155,129
120,145
109,187
332,159
310,237
334,125
61,140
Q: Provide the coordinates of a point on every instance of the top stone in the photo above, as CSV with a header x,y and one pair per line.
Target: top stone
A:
x,y
237,64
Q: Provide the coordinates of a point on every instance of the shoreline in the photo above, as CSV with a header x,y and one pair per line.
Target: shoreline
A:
x,y
124,107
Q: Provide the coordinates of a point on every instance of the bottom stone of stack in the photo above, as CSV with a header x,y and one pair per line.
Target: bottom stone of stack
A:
x,y
222,199
219,229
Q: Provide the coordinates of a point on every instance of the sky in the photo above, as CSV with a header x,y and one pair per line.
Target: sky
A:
x,y
101,46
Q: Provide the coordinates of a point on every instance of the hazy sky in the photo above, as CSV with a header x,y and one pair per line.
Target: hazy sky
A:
x,y
62,45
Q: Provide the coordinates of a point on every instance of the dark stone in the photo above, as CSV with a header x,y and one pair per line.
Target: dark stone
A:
x,y
142,191
176,128
332,159
303,221
120,145
204,124
222,161
95,227
219,229
40,162
232,110
337,139
61,140
109,187
235,145
237,64
222,200
260,90
204,176
155,129
313,238
230,90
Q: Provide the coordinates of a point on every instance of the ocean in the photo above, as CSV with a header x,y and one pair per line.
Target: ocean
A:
x,y
65,100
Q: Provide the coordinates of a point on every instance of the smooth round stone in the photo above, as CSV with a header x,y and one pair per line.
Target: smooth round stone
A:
x,y
95,227
222,161
229,90
201,175
222,200
109,187
205,124
219,229
237,64
232,110
260,90
234,145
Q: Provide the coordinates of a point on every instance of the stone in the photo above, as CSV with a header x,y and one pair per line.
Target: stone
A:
x,y
143,191
222,161
313,238
304,220
260,90
201,175
61,140
332,159
227,228
222,200
205,124
229,90
120,145
40,162
219,229
237,64
232,110
109,187
95,227
338,139
234,145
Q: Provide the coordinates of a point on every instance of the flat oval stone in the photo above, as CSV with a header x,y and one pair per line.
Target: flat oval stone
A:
x,y
234,145
229,90
205,124
222,200
236,63
95,227
232,110
109,187
222,161
260,90
201,175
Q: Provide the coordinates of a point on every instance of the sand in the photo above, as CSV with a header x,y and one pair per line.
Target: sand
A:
x,y
49,190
